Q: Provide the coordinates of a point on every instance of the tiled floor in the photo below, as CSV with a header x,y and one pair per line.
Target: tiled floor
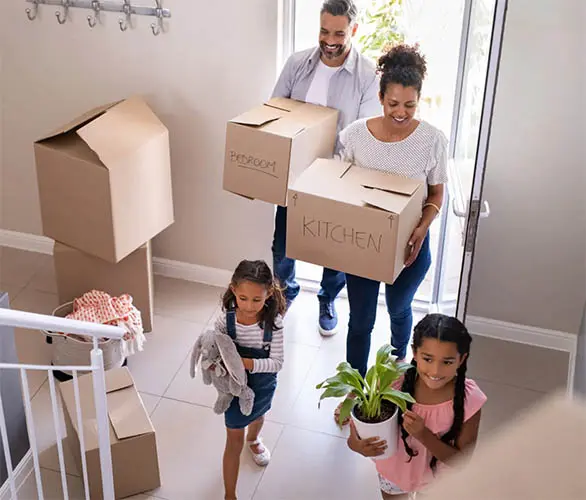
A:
x,y
310,457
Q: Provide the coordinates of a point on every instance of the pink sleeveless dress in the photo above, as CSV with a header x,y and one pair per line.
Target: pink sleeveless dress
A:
x,y
415,475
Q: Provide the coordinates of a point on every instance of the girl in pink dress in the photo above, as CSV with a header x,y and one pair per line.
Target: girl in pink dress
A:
x,y
445,419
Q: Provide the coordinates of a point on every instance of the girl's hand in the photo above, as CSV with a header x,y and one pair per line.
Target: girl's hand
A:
x,y
414,424
248,363
371,447
415,243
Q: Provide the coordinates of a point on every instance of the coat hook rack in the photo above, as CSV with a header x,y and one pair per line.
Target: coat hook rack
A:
x,y
97,6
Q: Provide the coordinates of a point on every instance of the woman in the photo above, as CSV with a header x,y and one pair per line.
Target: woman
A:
x,y
398,143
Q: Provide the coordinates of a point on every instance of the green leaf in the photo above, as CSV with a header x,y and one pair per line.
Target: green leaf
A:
x,y
336,392
346,409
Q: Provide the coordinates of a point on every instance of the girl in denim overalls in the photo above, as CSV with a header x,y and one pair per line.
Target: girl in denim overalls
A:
x,y
253,307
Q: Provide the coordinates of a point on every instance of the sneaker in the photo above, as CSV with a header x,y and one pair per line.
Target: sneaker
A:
x,y
328,318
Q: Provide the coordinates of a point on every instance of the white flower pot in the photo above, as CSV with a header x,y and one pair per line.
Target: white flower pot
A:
x,y
387,431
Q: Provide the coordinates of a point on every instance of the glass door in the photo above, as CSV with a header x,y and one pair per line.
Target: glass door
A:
x,y
477,77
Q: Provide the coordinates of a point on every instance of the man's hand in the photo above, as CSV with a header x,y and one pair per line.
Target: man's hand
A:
x,y
371,447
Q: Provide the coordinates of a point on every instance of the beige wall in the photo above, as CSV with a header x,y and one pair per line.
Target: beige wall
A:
x,y
530,265
217,60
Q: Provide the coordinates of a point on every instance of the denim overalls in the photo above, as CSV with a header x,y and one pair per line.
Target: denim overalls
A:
x,y
263,384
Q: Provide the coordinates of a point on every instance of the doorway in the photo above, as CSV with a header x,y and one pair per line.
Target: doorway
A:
x,y
461,41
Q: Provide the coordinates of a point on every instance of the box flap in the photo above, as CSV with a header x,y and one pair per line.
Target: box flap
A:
x,y
390,202
384,181
80,120
121,130
259,116
285,128
127,414
285,104
118,379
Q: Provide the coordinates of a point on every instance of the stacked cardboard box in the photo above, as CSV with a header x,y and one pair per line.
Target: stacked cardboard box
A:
x,y
105,191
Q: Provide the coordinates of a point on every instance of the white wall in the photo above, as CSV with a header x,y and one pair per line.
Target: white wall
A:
x,y
217,60
530,264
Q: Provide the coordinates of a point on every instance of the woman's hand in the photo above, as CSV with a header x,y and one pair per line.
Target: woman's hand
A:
x,y
415,243
371,447
248,363
414,424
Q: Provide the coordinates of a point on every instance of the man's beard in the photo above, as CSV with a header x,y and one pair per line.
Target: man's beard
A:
x,y
331,54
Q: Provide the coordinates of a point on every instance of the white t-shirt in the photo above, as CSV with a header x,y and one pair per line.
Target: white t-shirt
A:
x,y
423,155
320,85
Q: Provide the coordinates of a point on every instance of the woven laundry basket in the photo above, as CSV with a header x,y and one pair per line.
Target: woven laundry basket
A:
x,y
71,351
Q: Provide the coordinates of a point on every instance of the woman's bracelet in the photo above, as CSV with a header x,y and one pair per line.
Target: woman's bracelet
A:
x,y
432,205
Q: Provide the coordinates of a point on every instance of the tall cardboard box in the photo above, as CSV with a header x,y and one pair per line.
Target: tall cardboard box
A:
x,y
353,219
78,272
104,180
132,436
269,146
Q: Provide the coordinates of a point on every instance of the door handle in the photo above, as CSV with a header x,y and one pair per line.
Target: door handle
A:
x,y
463,214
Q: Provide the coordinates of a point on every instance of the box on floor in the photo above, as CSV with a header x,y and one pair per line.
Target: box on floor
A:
x,y
104,180
78,272
132,436
353,219
269,146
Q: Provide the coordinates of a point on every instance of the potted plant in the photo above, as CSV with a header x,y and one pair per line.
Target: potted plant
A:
x,y
371,401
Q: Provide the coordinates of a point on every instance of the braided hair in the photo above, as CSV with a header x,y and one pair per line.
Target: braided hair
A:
x,y
445,329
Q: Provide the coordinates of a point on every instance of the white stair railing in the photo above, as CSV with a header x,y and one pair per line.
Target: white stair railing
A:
x,y
21,319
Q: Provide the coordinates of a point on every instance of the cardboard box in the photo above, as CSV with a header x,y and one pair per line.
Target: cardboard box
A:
x,y
353,219
105,180
518,462
269,146
78,272
132,436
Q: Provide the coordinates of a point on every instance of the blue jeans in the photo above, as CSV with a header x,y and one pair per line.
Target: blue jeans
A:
x,y
363,298
284,268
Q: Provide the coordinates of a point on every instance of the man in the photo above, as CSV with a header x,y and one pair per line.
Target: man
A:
x,y
336,75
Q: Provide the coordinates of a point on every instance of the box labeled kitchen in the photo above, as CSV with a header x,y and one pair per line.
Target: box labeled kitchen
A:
x,y
353,219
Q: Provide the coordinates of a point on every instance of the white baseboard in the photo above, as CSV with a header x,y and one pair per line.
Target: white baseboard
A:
x,y
191,272
523,334
25,241
23,470
163,267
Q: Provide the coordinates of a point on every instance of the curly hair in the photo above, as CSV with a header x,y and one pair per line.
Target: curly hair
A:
x,y
403,64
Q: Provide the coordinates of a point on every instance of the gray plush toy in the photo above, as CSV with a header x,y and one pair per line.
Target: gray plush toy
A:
x,y
228,375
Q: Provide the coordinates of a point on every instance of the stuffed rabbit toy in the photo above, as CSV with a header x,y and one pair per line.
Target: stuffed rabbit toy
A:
x,y
222,366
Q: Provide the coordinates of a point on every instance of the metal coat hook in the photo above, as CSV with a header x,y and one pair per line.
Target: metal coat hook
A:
x,y
125,23
63,19
158,26
95,19
32,13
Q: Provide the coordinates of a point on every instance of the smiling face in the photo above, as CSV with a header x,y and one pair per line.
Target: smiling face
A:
x,y
437,362
399,104
335,38
250,300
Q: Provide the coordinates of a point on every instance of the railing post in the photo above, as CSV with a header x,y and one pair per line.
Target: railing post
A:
x,y
101,403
